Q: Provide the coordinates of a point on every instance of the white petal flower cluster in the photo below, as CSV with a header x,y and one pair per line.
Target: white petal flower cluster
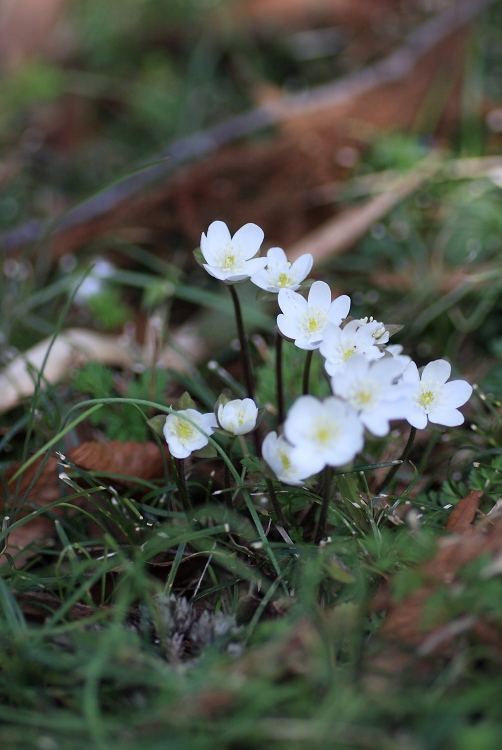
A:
x,y
372,382
187,430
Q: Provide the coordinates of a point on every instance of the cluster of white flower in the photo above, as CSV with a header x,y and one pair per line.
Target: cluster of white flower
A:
x,y
372,382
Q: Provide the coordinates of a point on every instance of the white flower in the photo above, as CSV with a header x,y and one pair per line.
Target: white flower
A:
x,y
183,437
277,452
238,416
304,321
378,330
339,345
280,273
369,387
232,258
432,397
326,432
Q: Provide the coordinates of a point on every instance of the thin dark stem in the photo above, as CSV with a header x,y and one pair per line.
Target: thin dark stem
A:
x,y
227,479
326,499
306,372
246,359
404,455
278,377
275,503
182,482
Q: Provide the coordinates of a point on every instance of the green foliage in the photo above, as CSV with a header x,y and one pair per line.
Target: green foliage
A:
x,y
108,308
121,421
293,364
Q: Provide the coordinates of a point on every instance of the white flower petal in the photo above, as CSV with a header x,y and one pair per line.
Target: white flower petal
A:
x,y
438,371
292,304
411,374
456,393
447,417
216,272
254,266
218,236
319,295
248,240
261,279
276,255
416,417
339,309
303,265
288,327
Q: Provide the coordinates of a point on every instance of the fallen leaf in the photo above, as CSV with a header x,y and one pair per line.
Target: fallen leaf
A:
x,y
462,516
131,460
407,631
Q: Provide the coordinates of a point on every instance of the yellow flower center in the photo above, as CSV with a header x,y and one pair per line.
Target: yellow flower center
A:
x,y
184,430
283,280
230,259
285,461
314,322
322,435
348,353
228,262
427,398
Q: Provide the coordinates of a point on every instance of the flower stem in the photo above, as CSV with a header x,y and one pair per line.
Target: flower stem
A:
x,y
278,377
246,359
182,482
306,372
275,503
326,499
227,479
404,455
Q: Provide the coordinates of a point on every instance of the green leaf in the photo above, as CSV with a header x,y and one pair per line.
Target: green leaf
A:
x,y
197,254
338,571
157,424
185,401
264,296
95,379
209,451
252,463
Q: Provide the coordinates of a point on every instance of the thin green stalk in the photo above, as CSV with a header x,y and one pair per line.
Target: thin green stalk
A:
x,y
279,384
227,481
326,499
306,372
246,359
404,455
275,503
182,482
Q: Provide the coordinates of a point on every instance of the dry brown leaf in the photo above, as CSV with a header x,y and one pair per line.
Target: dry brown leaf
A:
x,y
132,460
406,629
462,516
75,346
